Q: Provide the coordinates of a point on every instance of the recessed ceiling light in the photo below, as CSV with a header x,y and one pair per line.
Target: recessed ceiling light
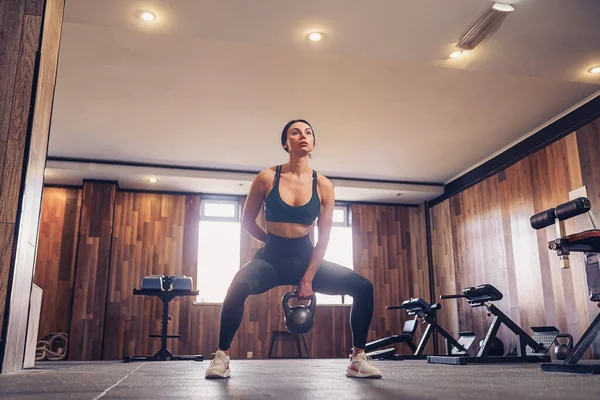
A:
x,y
152,180
315,36
503,7
594,70
147,16
456,54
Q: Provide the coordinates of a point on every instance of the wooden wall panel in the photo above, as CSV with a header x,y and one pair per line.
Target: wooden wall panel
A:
x,y
483,235
7,235
390,250
25,136
154,234
92,271
34,7
158,234
11,21
55,258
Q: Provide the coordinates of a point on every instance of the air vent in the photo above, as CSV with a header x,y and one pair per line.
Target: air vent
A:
x,y
487,24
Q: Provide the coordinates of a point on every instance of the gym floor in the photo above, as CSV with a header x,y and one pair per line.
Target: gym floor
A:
x,y
292,379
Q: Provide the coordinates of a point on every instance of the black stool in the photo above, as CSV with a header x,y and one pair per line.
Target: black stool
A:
x,y
276,334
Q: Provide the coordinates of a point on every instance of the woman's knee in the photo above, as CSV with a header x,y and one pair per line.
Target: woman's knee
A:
x,y
366,287
238,291
363,287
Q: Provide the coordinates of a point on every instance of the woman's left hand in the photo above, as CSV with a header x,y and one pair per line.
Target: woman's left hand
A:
x,y
304,290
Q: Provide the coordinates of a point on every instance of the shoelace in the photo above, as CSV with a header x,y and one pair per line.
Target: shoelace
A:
x,y
220,359
366,358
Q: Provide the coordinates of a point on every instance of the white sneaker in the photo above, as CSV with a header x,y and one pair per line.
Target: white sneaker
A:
x,y
361,366
219,366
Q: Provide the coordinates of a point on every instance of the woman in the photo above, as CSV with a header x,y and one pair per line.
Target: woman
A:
x,y
294,196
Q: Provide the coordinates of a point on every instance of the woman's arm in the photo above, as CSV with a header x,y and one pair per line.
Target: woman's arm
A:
x,y
255,198
324,224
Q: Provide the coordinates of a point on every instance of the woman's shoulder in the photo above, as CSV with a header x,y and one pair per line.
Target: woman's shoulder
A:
x,y
323,181
267,174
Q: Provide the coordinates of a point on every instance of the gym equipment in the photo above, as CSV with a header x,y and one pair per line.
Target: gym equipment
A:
x,y
298,319
496,348
562,350
588,243
529,348
425,311
53,347
166,288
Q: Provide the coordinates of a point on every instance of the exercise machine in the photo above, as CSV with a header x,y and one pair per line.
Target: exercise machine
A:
x,y
166,288
588,243
426,312
532,349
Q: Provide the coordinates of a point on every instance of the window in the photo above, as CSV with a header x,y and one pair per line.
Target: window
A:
x,y
339,250
219,245
218,248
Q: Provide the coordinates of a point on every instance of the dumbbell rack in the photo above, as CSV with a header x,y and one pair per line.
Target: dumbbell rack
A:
x,y
164,354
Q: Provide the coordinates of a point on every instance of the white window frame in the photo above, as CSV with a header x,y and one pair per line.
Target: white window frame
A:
x,y
220,200
203,217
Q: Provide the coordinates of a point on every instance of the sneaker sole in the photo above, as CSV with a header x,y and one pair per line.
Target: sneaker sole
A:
x,y
354,374
216,376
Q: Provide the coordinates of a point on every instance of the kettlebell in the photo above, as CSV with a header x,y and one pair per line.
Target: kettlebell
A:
x,y
497,348
562,350
298,319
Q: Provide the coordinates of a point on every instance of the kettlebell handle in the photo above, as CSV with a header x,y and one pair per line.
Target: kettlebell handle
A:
x,y
568,337
289,295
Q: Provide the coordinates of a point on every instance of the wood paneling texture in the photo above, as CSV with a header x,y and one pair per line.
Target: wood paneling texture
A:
x,y
92,268
389,244
7,235
23,168
158,234
11,26
34,7
154,234
483,235
55,258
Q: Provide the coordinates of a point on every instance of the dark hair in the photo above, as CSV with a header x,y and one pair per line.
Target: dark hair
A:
x,y
287,126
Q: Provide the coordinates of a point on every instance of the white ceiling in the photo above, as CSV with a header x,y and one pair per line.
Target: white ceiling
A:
x,y
211,84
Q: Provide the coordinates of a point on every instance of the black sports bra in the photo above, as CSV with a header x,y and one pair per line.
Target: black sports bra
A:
x,y
276,210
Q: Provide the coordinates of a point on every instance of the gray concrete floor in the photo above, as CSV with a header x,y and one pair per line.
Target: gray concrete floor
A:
x,y
293,379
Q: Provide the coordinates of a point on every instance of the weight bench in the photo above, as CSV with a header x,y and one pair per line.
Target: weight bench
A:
x,y
425,311
530,349
166,288
588,243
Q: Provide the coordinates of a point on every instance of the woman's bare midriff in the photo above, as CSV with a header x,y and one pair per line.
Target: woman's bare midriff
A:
x,y
288,230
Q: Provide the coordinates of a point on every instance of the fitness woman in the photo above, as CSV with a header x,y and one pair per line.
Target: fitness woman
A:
x,y
294,196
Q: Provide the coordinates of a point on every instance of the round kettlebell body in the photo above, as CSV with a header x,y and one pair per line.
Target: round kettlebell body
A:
x,y
298,319
497,348
562,350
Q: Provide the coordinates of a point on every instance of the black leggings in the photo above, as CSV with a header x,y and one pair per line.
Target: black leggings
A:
x,y
283,261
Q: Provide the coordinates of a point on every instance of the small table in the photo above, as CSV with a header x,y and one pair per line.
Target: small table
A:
x,y
164,354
